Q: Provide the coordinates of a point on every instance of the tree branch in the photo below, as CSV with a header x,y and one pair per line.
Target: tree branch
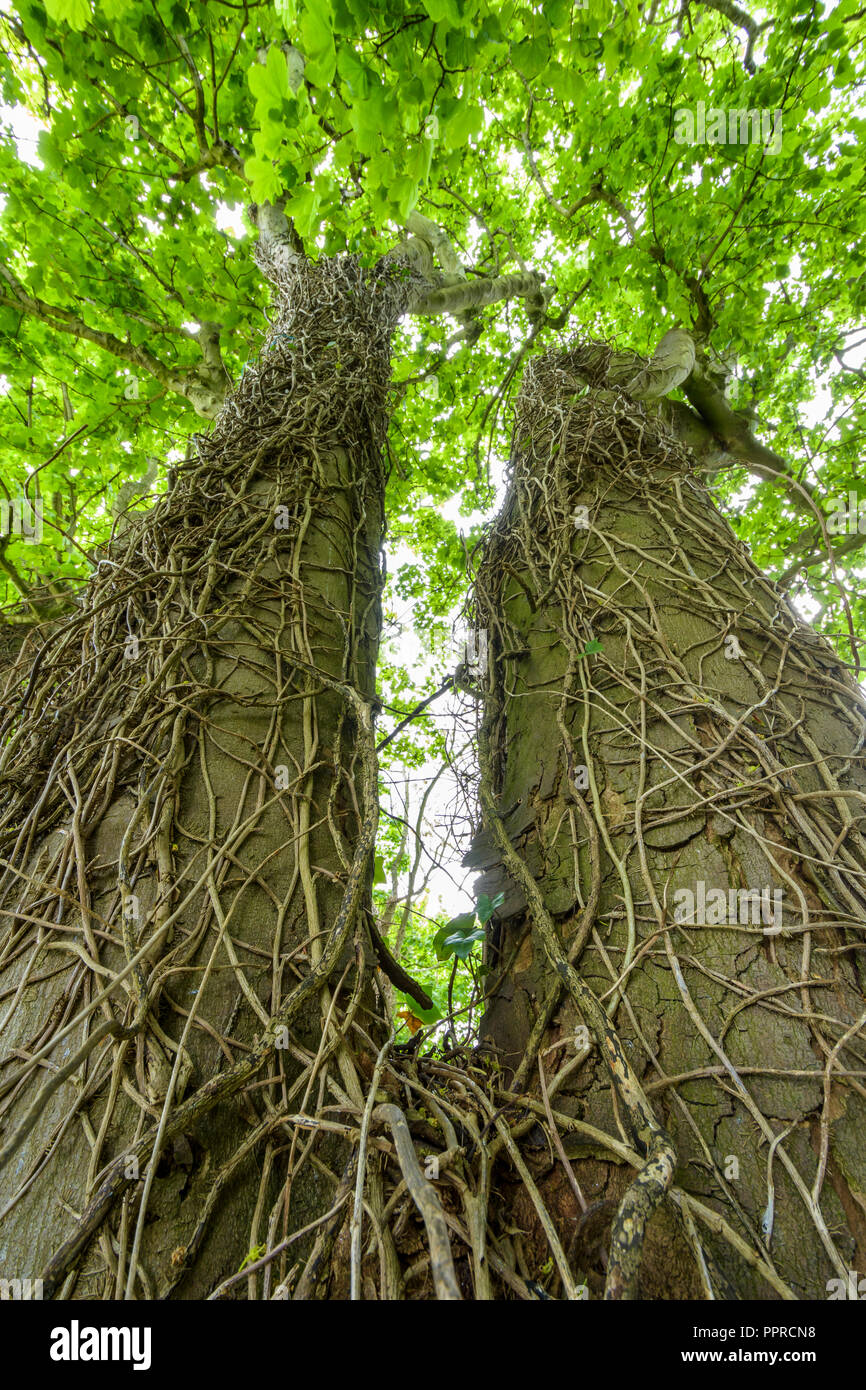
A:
x,y
475,294
742,20
733,432
203,387
819,557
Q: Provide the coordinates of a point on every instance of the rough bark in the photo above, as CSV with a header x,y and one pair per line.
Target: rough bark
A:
x,y
188,803
188,770
658,716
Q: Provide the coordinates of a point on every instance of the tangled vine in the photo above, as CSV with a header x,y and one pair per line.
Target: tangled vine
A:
x,y
195,1028
667,749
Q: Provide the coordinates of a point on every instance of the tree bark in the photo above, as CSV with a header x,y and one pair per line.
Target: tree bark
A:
x,y
659,723
190,771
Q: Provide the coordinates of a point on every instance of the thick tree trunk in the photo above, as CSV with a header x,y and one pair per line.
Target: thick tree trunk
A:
x,y
659,724
190,769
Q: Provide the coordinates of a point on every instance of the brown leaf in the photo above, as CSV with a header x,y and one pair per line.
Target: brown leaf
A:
x,y
412,1022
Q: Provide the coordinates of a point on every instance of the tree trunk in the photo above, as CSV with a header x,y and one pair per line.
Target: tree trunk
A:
x,y
190,772
660,725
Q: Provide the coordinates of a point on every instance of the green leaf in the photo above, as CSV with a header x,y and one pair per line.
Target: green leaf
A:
x,y
457,926
565,82
439,10
75,13
266,185
426,1015
461,944
303,208
592,647
317,43
404,195
467,120
485,907
269,81
418,162
530,57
